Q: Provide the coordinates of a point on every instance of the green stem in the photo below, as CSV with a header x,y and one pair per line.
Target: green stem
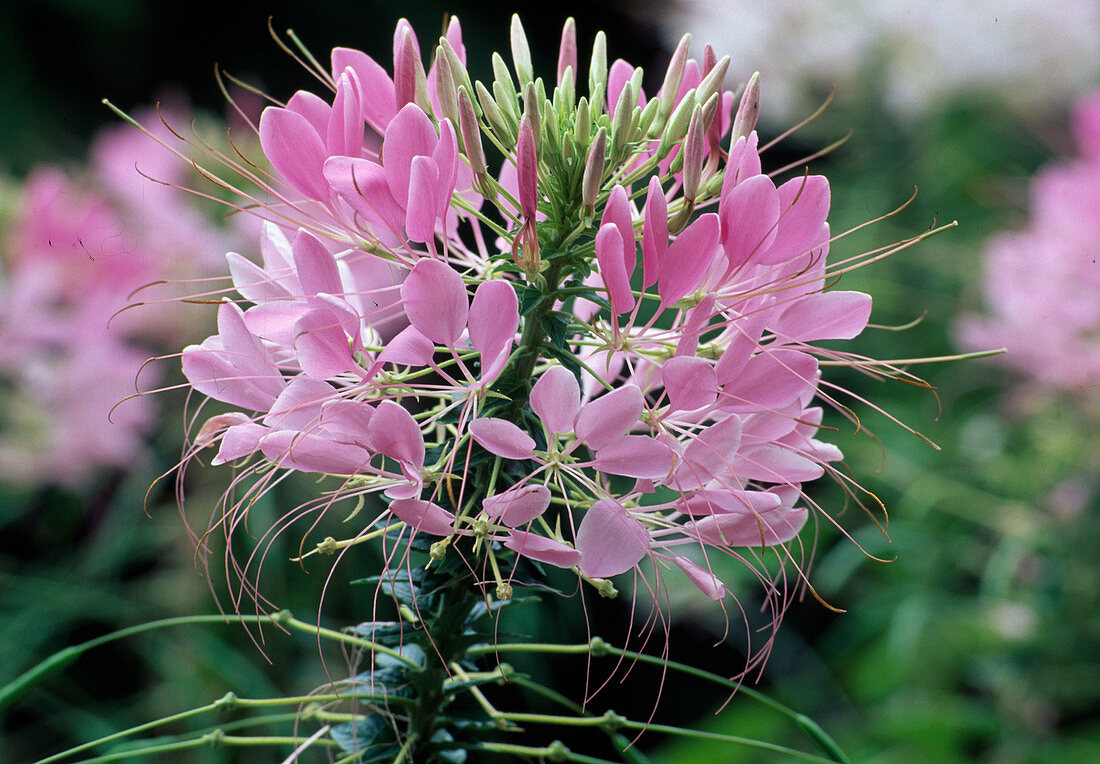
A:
x,y
23,683
598,647
212,739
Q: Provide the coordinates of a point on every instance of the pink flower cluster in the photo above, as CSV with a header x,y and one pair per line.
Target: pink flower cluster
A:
x,y
600,356
1042,284
75,251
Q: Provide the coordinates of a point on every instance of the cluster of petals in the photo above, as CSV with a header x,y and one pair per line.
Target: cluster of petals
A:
x,y
1042,285
372,332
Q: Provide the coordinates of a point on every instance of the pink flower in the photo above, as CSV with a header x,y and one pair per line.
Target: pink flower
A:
x,y
1042,284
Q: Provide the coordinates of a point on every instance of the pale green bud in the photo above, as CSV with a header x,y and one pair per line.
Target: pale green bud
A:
x,y
494,116
674,75
744,122
445,90
597,70
459,74
712,83
582,129
521,52
471,132
593,169
677,123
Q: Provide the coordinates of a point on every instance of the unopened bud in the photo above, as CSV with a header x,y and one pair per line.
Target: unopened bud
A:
x,y
744,122
652,123
674,75
459,74
521,52
527,168
710,109
493,115
471,133
532,112
620,127
582,128
593,169
677,123
712,83
694,152
410,81
567,53
445,90
597,71
503,87
565,94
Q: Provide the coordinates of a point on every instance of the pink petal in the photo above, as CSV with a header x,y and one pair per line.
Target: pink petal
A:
x,y
377,99
295,150
518,506
316,266
542,549
556,398
394,433
501,437
307,452
321,344
421,212
749,214
825,316
708,583
253,282
610,541
362,184
410,134
690,383
770,380
314,108
654,233
446,159
775,464
298,407
239,441
733,530
688,259
408,348
637,456
803,207
609,254
710,454
724,501
215,425
345,126
600,421
435,301
424,516
494,317
618,212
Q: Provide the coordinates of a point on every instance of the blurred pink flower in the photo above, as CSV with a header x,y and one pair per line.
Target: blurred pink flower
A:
x,y
1042,285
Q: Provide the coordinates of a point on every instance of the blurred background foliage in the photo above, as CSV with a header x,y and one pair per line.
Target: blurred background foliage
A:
x,y
978,640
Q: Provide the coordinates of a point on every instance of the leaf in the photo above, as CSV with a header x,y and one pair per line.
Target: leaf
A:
x,y
529,298
366,733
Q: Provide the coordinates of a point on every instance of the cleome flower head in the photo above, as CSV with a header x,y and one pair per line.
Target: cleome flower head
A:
x,y
562,320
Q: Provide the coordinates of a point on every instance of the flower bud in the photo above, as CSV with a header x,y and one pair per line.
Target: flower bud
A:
x,y
567,53
527,169
471,133
694,152
410,81
532,112
445,90
593,169
650,123
493,115
521,52
744,122
459,75
677,123
674,75
597,71
582,127
620,126
503,87
712,83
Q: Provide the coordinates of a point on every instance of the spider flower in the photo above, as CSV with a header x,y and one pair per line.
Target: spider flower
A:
x,y
601,357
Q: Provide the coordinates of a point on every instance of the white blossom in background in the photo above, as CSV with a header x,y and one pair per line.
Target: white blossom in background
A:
x,y
920,54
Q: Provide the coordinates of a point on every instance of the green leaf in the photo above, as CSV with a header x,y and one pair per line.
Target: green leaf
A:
x,y
529,298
